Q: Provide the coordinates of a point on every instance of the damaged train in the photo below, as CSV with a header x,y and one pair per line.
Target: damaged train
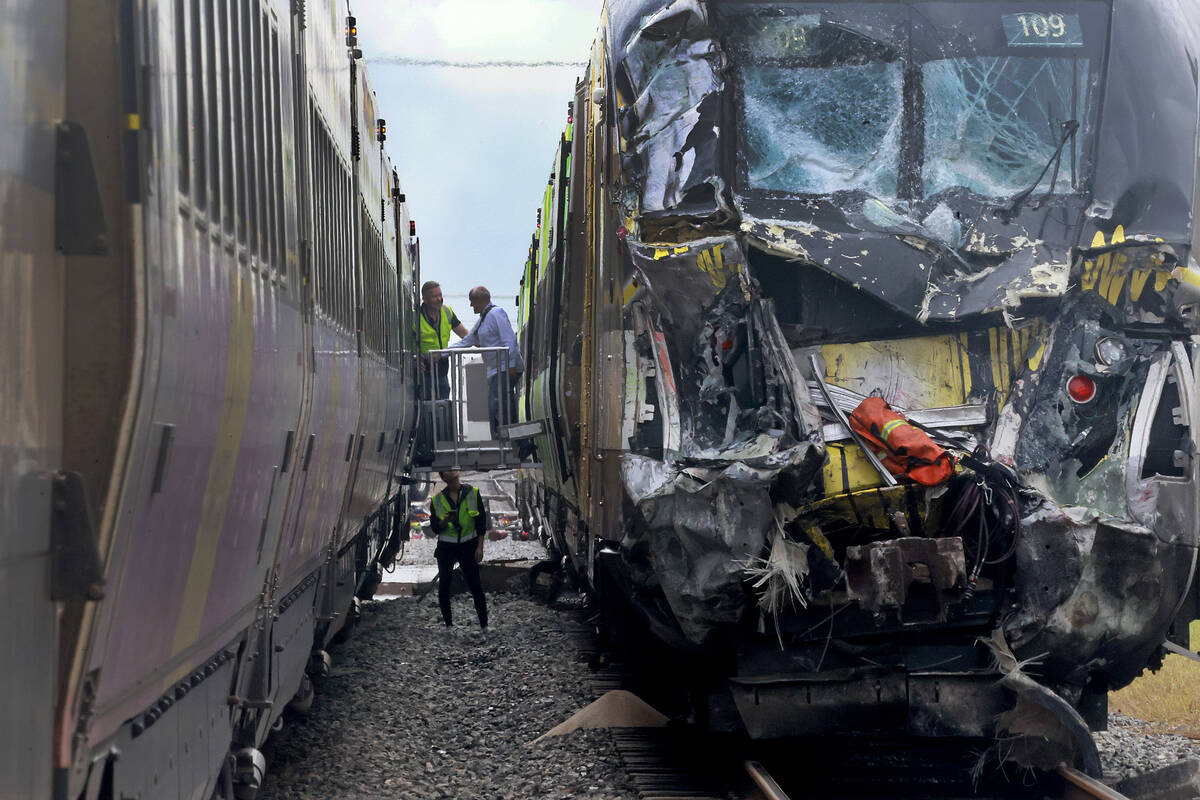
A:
x,y
792,254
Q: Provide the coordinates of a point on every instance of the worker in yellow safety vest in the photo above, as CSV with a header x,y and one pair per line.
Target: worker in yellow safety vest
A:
x,y
436,321
458,516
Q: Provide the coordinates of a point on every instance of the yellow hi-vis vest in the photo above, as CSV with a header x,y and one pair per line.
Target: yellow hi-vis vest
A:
x,y
438,339
461,529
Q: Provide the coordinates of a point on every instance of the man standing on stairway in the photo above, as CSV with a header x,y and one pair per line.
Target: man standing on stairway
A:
x,y
458,515
494,330
436,322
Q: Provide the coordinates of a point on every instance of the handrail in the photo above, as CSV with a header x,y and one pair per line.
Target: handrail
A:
x,y
456,400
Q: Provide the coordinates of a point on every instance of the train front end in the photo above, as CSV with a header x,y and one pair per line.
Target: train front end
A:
x,y
980,213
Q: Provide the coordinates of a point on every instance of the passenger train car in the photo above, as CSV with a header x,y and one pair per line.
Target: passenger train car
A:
x,y
760,215
208,283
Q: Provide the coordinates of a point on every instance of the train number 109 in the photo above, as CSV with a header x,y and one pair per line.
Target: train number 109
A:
x,y
1043,26
1032,29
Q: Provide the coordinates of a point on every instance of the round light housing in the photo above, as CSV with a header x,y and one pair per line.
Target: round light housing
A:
x,y
1110,351
1081,389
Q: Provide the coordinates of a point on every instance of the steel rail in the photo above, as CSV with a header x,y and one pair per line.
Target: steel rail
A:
x,y
765,782
1084,787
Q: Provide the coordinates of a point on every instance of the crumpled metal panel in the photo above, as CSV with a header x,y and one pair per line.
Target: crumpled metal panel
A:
x,y
697,531
1074,228
1089,589
673,68
881,575
682,283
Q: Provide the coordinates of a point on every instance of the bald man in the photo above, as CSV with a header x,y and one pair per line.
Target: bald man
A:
x,y
494,330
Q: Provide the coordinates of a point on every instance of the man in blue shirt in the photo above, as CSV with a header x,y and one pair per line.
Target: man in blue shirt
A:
x,y
494,330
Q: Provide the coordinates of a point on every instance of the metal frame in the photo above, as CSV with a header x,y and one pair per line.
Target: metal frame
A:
x,y
454,443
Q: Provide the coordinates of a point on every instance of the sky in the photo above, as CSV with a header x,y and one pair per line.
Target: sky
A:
x,y
474,145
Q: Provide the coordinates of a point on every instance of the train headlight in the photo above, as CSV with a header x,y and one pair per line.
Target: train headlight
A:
x,y
1110,351
1081,389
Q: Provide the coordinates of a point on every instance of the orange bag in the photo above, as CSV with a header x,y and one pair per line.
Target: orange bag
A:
x,y
906,451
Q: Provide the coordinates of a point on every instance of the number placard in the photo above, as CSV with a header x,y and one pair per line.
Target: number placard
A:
x,y
1043,29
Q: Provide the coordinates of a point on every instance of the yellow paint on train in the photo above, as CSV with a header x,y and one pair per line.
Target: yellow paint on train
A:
x,y
712,263
238,373
847,469
631,287
925,372
1108,273
935,371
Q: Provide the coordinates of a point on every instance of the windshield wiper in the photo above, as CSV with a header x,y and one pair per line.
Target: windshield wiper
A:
x,y
1070,127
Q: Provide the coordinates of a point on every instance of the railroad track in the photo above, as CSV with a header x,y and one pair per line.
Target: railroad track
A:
x,y
1082,787
1077,786
681,763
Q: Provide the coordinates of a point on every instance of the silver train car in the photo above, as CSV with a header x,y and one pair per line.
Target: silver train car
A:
x,y
760,216
207,280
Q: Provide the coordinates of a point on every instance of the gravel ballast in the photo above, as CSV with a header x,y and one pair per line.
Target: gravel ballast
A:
x,y
412,712
1129,748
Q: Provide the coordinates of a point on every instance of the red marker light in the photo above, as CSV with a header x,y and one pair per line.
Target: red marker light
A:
x,y
1081,389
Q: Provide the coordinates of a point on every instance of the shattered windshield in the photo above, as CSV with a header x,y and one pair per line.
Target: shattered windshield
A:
x,y
815,130
838,101
992,124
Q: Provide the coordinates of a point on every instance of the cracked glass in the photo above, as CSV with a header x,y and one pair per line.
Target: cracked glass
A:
x,y
827,108
993,124
813,130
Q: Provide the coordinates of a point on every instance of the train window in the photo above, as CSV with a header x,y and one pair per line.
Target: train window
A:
x,y
317,265
339,253
249,123
368,305
346,275
321,204
335,261
333,199
200,132
259,114
213,142
237,70
280,244
345,258
181,94
369,280
326,225
226,68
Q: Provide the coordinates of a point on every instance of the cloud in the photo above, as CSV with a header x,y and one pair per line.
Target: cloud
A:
x,y
477,30
473,147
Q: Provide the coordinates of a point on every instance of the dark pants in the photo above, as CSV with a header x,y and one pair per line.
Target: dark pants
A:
x,y
499,386
439,380
462,553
